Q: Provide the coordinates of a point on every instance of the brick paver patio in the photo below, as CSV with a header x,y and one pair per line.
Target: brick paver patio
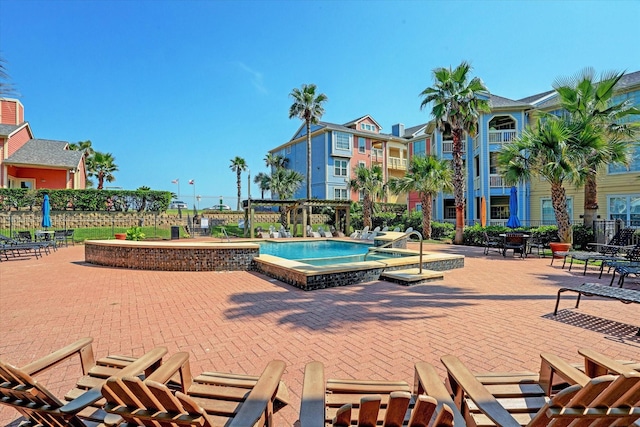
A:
x,y
495,314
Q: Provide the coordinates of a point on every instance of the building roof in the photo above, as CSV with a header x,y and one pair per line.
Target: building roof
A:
x,y
6,130
534,98
48,153
502,102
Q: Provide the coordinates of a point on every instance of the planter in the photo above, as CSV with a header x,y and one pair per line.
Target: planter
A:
x,y
121,236
560,248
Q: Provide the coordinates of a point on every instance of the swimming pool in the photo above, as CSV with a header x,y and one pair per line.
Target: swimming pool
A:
x,y
324,252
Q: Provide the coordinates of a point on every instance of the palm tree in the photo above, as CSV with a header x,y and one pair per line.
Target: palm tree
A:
x,y
551,150
590,103
427,175
82,145
457,102
102,166
6,87
264,182
307,106
284,183
275,161
371,182
238,165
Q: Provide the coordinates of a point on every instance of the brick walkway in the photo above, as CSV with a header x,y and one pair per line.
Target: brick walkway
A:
x,y
495,314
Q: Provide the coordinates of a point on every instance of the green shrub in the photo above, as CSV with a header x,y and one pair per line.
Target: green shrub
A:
x,y
581,236
135,233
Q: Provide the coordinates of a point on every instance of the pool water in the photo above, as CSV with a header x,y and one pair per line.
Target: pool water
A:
x,y
322,252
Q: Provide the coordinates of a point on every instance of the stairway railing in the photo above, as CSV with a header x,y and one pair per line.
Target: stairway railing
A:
x,y
404,236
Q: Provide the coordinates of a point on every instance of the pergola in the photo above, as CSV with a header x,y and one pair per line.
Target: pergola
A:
x,y
341,207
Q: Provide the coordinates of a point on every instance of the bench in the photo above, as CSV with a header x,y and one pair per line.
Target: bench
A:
x,y
626,296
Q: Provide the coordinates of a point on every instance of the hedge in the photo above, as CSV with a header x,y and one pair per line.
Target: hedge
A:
x,y
86,200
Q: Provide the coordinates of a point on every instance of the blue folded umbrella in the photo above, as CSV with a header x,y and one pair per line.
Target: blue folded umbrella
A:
x,y
513,221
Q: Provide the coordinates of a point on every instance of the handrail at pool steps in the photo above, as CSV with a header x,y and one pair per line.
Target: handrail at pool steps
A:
x,y
224,231
404,236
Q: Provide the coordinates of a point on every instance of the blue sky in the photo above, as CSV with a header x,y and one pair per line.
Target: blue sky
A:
x,y
176,89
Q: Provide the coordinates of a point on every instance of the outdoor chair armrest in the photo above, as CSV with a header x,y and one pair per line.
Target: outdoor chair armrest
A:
x,y
463,381
81,347
312,407
259,403
427,381
553,365
176,364
596,364
83,401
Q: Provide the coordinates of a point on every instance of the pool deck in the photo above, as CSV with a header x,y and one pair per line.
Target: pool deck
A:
x,y
495,314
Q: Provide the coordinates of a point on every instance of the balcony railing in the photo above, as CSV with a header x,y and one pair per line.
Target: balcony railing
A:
x,y
397,163
447,146
377,155
500,136
496,180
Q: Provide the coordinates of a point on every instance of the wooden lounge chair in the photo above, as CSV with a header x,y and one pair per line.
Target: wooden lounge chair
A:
x,y
212,399
608,400
342,403
80,406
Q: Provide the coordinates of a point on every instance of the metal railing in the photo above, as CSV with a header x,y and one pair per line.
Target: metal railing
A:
x,y
404,236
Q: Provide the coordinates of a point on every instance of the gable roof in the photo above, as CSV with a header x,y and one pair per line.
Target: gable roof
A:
x,y
359,119
8,130
502,102
533,99
46,153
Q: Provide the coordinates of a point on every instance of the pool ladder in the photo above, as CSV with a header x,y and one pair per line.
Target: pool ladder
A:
x,y
404,236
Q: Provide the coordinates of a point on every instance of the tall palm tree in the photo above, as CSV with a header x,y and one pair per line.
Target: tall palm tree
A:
x,y
371,182
284,183
238,165
6,87
101,166
588,100
427,175
457,102
82,145
307,106
264,182
549,150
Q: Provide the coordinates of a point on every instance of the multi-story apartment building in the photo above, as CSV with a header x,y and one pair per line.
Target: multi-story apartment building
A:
x,y
337,149
618,186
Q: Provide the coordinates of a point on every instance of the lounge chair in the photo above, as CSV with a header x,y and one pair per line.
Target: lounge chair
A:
x,y
371,235
211,399
284,232
334,402
509,401
81,406
396,230
311,233
323,233
336,233
618,243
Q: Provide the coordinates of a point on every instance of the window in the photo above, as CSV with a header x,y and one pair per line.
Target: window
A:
x,y
340,167
449,209
362,126
418,207
549,216
634,166
340,194
419,148
22,183
362,145
362,164
499,212
626,208
361,195
342,140
493,163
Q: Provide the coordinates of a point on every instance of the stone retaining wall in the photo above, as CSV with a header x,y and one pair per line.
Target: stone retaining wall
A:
x,y
171,257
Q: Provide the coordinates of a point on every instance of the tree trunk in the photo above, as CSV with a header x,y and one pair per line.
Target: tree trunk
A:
x,y
458,185
308,171
366,211
425,199
590,200
559,202
239,184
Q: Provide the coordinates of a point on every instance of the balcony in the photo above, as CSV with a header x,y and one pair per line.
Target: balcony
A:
x,y
496,180
397,163
377,155
501,136
447,146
